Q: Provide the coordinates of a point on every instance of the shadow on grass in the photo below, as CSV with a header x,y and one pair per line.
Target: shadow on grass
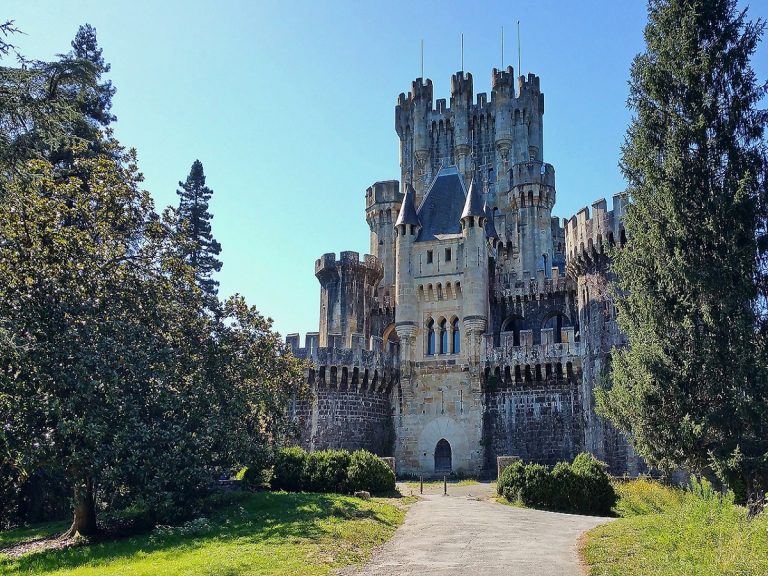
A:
x,y
256,517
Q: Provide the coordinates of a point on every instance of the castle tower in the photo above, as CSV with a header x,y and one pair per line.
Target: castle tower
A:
x,y
412,117
347,289
461,105
475,273
382,206
531,198
502,98
407,228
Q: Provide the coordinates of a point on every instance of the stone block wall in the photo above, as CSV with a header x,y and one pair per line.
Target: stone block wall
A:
x,y
346,419
539,421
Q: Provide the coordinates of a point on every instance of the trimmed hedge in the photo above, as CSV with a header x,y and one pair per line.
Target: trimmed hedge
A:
x,y
330,471
582,486
369,472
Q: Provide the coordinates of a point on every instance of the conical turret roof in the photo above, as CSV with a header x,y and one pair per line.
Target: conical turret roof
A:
x,y
408,208
474,204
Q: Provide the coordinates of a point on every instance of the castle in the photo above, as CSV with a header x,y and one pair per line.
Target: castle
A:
x,y
479,324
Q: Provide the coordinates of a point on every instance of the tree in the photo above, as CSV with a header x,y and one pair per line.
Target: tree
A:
x,y
95,103
201,249
691,388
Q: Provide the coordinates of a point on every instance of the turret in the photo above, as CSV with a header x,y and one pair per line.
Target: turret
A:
x,y
532,195
461,103
407,229
475,277
347,288
531,103
382,205
502,97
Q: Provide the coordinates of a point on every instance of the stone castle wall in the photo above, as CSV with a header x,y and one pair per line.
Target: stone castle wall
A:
x,y
539,421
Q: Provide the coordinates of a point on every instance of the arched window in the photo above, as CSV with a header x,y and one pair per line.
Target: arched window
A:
x,y
456,336
443,337
431,338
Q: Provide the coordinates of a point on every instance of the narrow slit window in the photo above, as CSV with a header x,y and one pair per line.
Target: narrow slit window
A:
x,y
447,254
429,256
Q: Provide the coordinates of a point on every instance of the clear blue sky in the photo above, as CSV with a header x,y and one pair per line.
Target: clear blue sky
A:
x,y
290,107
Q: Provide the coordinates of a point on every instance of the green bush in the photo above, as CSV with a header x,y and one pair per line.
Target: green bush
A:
x,y
253,478
583,486
594,493
326,471
369,472
538,488
289,469
137,518
511,480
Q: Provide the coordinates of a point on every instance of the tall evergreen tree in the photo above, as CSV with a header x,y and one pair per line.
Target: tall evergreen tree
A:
x,y
692,386
96,103
202,249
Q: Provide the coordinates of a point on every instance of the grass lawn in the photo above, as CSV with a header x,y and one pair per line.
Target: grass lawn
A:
x,y
414,484
263,533
665,532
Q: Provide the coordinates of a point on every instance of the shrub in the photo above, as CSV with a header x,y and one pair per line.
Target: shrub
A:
x,y
566,487
253,478
594,493
326,471
289,469
137,518
368,472
511,480
538,487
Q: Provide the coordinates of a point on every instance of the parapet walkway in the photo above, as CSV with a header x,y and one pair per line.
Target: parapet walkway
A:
x,y
468,534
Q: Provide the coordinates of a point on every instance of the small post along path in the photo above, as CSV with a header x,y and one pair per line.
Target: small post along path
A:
x,y
468,534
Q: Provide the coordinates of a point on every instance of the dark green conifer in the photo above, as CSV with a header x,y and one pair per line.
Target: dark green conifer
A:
x,y
691,387
202,249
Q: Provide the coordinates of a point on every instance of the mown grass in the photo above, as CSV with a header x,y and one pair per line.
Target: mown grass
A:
x,y
665,531
264,533
414,484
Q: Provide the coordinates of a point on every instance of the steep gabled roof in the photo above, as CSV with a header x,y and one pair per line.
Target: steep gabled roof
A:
x,y
490,227
440,209
408,208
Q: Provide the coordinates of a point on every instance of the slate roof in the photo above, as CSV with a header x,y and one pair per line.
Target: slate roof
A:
x,y
440,209
408,209
474,202
490,227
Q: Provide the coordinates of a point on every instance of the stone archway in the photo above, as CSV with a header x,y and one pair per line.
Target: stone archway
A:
x,y
443,462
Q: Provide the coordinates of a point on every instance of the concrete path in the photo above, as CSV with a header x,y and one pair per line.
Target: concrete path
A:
x,y
467,534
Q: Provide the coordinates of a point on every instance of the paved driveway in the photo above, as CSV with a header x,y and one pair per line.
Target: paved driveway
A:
x,y
465,533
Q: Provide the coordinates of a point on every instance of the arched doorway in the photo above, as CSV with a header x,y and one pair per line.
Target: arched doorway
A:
x,y
443,456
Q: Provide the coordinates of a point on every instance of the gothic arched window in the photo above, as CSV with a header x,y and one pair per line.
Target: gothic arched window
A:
x,y
443,337
431,338
456,336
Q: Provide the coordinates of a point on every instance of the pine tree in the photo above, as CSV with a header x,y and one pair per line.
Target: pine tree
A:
x,y
96,104
692,386
202,249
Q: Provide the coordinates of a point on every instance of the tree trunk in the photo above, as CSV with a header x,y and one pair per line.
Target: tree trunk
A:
x,y
84,522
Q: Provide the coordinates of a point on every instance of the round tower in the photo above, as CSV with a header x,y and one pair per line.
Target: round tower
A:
x,y
503,96
474,283
347,289
461,103
532,196
406,230
382,206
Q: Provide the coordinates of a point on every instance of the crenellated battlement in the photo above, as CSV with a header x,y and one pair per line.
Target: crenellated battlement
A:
x,y
503,81
522,289
387,191
528,362
588,235
527,173
349,261
461,89
368,364
530,85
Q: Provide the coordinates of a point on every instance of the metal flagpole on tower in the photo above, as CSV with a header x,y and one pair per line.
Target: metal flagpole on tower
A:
x,y
422,58
462,51
502,47
519,57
